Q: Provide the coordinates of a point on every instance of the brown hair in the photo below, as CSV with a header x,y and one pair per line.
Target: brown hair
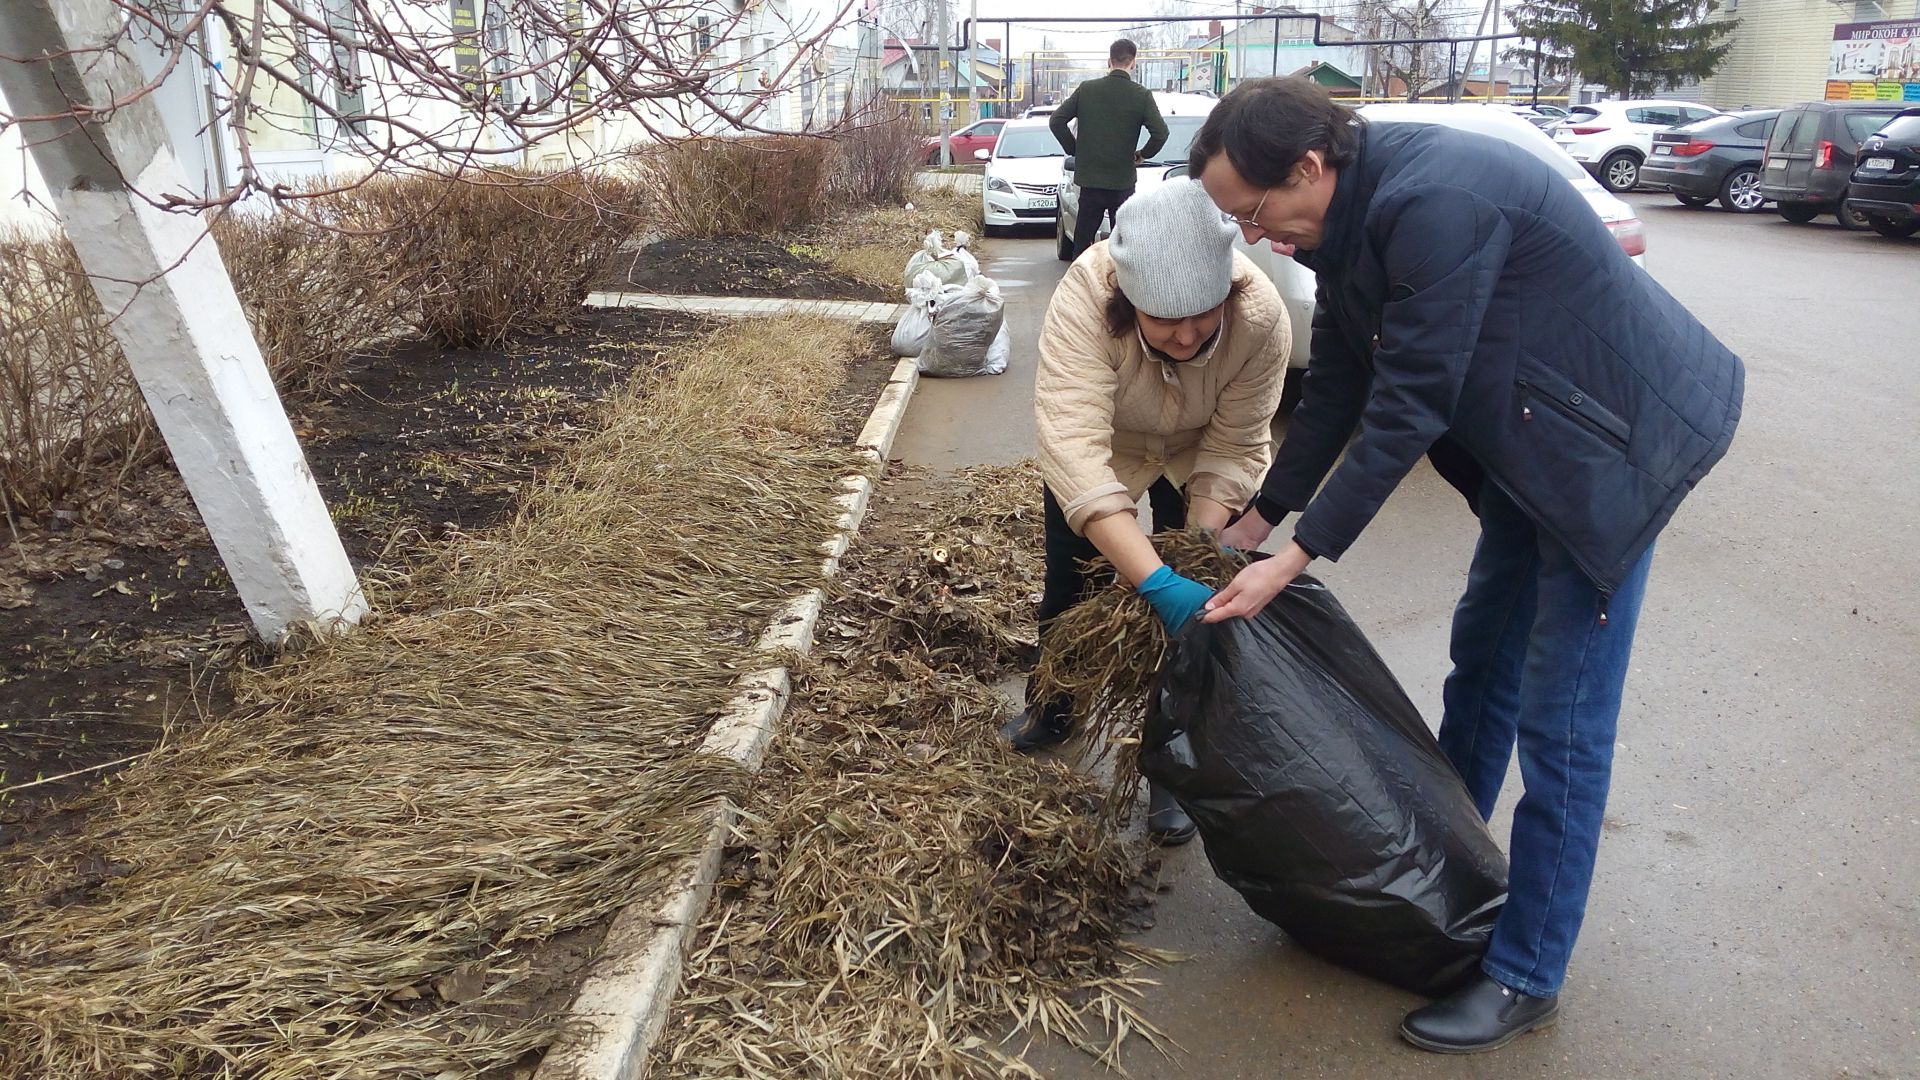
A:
x,y
1120,309
1122,52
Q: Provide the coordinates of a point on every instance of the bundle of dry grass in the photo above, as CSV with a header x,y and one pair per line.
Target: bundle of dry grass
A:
x,y
1105,652
344,877
906,891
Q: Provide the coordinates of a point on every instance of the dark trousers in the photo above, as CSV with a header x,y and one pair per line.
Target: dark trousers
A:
x,y
1095,204
1068,579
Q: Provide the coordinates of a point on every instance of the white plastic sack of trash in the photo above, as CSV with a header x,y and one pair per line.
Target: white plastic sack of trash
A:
x,y
969,332
916,322
949,265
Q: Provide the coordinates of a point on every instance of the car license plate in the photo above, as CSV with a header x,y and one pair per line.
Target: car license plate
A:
x,y
1039,202
1668,150
1880,163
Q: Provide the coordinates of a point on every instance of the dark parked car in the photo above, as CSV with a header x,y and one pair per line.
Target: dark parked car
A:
x,y
1811,154
1715,158
1886,185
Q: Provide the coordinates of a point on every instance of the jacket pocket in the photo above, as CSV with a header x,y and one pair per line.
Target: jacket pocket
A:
x,y
1576,405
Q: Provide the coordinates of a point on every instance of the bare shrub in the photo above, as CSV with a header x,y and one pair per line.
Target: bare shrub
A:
x,y
876,163
491,254
73,426
314,296
737,187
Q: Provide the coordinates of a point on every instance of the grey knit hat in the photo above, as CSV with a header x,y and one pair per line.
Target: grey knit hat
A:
x,y
1172,253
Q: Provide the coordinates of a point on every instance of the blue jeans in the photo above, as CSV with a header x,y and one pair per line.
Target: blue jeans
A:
x,y
1534,666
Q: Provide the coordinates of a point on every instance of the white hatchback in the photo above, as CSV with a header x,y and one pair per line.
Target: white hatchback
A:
x,y
1611,139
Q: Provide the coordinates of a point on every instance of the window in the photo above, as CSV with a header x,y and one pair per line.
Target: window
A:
x,y
988,131
1663,116
1904,127
1782,131
1697,114
1034,142
1180,133
1756,130
1862,124
1806,132
703,32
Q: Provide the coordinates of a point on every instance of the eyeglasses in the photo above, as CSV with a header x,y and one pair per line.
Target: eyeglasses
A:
x,y
1248,221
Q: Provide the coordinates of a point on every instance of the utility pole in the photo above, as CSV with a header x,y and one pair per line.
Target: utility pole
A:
x,y
1473,47
1493,50
973,60
175,316
943,98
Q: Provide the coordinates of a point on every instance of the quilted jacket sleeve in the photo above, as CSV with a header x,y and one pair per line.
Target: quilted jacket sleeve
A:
x,y
1073,398
1330,402
1443,249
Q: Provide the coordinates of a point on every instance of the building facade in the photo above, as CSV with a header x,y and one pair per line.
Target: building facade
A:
x,y
1785,51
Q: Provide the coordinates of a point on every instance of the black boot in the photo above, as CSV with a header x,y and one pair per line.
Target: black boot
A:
x,y
1167,824
1037,728
1483,1015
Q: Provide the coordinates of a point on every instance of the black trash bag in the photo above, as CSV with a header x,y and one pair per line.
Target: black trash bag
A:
x,y
1321,795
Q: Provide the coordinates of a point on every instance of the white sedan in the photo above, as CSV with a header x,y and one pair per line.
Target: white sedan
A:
x,y
1023,176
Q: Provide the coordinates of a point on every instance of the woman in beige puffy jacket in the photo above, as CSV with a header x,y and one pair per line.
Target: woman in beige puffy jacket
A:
x,y
1163,355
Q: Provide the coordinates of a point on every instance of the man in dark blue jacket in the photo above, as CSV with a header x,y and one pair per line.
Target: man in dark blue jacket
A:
x,y
1473,309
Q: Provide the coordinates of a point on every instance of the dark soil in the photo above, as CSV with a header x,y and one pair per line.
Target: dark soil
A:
x,y
117,626
866,377
733,266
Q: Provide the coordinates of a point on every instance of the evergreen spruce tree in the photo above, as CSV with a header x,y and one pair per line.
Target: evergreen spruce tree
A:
x,y
1635,48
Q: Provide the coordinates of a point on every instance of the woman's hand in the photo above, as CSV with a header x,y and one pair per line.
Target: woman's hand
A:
x,y
1248,533
1252,589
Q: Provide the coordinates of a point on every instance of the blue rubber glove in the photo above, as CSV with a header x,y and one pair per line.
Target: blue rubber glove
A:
x,y
1174,598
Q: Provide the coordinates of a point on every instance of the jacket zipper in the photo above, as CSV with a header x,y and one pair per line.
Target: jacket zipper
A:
x,y
1605,591
1566,410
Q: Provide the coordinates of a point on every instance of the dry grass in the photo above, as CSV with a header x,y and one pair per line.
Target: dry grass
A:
x,y
907,891
873,244
343,877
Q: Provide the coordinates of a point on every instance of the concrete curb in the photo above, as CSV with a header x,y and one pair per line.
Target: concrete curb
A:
x,y
624,1001
862,311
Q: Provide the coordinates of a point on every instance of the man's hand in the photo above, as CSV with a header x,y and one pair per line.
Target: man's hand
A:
x,y
1252,589
1248,533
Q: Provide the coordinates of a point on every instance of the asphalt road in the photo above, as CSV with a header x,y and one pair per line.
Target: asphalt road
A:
x,y
1757,908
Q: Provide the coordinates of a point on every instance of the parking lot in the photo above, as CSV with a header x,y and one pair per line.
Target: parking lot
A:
x,y
1757,910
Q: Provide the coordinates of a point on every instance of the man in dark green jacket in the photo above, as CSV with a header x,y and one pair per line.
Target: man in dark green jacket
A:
x,y
1112,111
